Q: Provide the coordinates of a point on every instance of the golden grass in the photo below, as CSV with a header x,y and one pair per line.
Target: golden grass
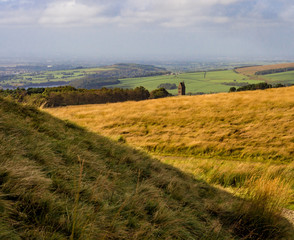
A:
x,y
252,70
255,125
266,189
119,193
241,178
115,192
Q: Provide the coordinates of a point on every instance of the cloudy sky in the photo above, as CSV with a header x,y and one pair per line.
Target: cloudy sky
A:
x,y
146,28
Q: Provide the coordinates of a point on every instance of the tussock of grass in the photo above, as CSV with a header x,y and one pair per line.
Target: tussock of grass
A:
x,y
249,125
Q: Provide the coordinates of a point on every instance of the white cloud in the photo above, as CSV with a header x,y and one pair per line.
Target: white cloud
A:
x,y
288,14
18,17
173,13
156,13
166,13
71,13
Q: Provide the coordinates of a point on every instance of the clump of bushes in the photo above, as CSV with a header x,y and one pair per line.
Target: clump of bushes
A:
x,y
257,86
159,93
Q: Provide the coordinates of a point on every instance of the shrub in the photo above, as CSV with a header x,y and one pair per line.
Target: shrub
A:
x,y
159,93
232,89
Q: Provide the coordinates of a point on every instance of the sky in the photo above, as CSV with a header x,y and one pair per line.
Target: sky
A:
x,y
146,29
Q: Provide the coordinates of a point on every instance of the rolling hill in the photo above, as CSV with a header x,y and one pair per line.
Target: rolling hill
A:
x,y
242,142
196,82
272,74
255,125
254,69
91,78
59,181
151,77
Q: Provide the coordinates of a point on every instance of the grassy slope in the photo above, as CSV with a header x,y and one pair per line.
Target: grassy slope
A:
x,y
248,125
252,70
284,77
255,125
62,75
41,77
195,82
121,193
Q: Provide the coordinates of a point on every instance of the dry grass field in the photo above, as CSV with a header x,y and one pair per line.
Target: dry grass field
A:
x,y
59,181
248,71
201,134
255,125
273,181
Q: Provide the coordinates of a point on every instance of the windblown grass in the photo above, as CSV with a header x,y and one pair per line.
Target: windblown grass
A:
x,y
255,125
266,190
240,177
118,192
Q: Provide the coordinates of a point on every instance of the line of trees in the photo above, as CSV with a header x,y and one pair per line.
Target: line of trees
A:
x,y
257,86
68,95
277,70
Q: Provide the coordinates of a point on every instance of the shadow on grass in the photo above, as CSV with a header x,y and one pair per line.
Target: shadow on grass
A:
x,y
123,193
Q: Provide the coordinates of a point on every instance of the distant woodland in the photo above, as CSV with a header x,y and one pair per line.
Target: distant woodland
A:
x,y
68,95
258,86
88,78
277,70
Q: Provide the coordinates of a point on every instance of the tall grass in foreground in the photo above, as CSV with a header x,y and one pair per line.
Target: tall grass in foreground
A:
x,y
119,193
77,197
245,179
261,213
265,190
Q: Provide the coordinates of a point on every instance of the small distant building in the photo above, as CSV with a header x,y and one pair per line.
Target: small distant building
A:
x,y
181,89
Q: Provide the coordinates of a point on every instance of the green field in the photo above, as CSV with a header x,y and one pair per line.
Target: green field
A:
x,y
283,77
52,76
195,82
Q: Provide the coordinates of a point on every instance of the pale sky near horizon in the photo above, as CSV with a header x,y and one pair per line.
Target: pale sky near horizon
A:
x,y
146,28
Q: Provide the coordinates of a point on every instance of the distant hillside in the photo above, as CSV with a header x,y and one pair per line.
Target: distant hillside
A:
x,y
247,125
196,82
266,69
58,181
90,78
115,72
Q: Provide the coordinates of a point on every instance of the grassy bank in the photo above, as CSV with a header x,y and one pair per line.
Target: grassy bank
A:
x,y
253,125
58,181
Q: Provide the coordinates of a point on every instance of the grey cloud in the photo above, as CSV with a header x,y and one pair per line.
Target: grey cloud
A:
x,y
160,13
